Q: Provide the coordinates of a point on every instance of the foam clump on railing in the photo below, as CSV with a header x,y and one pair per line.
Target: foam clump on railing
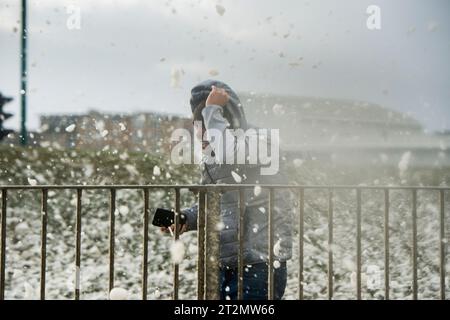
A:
x,y
118,294
177,251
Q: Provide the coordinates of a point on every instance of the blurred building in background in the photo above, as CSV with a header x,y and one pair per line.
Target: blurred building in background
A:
x,y
346,132
147,132
340,132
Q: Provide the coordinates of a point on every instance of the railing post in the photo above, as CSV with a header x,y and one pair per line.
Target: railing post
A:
x,y
414,243
112,228
386,244
442,244
301,242
201,246
44,214
212,246
270,282
330,244
240,293
358,244
3,244
78,246
145,245
176,234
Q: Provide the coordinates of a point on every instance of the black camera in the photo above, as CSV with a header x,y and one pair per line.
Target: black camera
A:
x,y
165,218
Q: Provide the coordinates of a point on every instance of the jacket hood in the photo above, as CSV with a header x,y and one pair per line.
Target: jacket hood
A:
x,y
233,110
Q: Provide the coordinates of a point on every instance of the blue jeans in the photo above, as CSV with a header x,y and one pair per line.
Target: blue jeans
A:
x,y
254,282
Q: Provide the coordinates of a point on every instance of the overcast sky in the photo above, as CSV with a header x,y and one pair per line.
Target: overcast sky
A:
x,y
123,56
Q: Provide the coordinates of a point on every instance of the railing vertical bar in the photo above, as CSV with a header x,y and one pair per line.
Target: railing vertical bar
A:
x,y
176,236
3,244
358,244
212,246
330,244
414,242
386,244
270,279
77,279
145,245
112,227
44,213
241,244
442,244
300,242
201,246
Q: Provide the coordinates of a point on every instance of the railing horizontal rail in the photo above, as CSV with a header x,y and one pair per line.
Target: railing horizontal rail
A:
x,y
222,186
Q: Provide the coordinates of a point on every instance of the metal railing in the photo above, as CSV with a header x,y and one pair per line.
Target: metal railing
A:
x,y
208,240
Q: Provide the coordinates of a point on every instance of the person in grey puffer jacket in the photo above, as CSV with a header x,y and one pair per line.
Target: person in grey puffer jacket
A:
x,y
218,107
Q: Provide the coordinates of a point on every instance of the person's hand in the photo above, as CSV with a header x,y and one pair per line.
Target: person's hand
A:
x,y
217,96
171,229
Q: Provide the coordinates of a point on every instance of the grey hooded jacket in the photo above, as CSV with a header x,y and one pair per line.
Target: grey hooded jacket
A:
x,y
256,204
